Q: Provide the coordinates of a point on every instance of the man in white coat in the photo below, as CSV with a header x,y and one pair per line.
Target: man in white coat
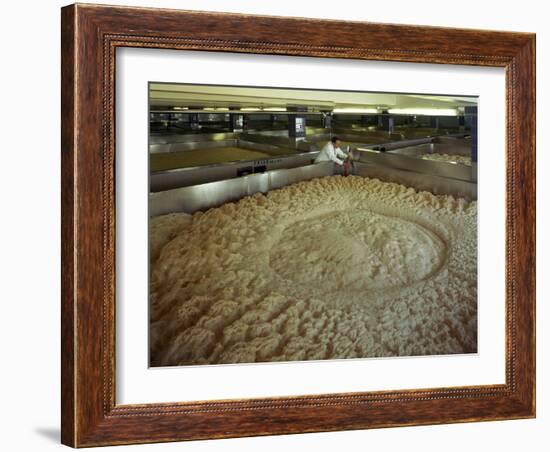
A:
x,y
332,152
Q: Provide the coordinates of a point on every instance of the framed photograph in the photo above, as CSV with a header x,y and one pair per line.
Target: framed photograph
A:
x,y
282,225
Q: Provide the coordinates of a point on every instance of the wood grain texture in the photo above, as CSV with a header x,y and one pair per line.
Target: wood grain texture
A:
x,y
67,226
90,36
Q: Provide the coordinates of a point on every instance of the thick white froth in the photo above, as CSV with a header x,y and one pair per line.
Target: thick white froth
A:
x,y
330,268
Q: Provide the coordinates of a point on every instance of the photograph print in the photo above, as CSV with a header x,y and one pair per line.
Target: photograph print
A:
x,y
299,225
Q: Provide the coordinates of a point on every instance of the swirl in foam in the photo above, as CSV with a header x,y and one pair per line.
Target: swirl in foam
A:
x,y
331,268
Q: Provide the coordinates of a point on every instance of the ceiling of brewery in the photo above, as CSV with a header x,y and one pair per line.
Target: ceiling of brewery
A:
x,y
165,95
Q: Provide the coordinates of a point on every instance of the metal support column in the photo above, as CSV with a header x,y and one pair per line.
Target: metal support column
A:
x,y
470,120
386,122
327,120
194,121
434,122
297,123
237,122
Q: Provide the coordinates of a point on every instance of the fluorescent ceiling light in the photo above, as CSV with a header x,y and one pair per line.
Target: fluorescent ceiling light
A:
x,y
215,109
424,111
261,109
181,108
355,110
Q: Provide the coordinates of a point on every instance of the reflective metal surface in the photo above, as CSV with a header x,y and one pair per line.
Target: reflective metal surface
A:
x,y
199,188
184,177
281,140
186,137
190,146
213,194
278,138
460,145
270,149
441,145
395,145
437,185
364,135
414,150
414,164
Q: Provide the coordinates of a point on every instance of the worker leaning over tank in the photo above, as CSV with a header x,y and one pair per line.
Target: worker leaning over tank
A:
x,y
332,152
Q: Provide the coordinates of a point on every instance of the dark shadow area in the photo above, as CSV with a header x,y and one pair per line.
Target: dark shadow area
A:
x,y
50,433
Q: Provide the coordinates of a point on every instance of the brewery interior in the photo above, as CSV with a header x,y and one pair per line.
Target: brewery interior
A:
x,y
206,134
262,251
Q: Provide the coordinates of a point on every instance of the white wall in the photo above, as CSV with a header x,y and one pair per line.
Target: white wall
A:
x,y
30,227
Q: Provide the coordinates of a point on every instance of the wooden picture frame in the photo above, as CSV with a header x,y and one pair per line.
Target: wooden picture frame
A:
x,y
90,36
